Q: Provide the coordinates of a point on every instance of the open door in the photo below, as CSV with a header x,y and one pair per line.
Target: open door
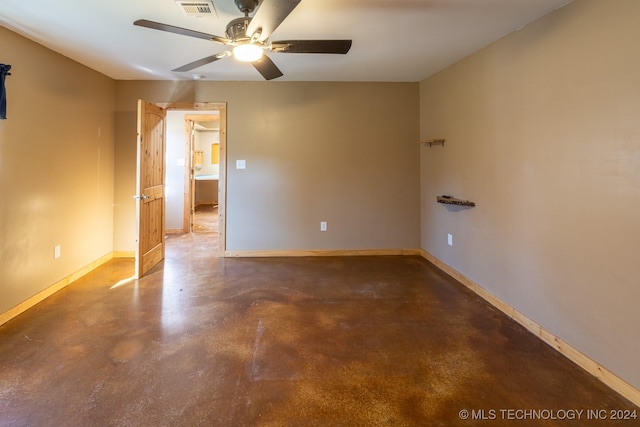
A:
x,y
150,180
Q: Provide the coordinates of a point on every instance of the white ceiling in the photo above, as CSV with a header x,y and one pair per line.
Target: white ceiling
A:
x,y
393,40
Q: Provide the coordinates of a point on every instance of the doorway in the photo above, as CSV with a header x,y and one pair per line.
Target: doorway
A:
x,y
196,171
204,145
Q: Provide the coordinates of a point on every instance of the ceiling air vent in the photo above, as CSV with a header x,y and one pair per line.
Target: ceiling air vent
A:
x,y
197,8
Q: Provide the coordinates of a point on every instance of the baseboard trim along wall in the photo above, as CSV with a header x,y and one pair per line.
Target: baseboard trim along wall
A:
x,y
313,252
585,362
45,293
174,230
124,254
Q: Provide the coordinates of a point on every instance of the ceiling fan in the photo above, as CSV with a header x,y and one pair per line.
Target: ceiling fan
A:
x,y
249,37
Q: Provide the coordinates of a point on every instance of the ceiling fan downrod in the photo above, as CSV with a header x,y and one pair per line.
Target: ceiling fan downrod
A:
x,y
246,6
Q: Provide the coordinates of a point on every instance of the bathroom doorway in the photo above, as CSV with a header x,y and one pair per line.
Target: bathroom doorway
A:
x,y
196,195
205,143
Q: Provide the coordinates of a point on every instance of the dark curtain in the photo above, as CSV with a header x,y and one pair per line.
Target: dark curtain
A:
x,y
4,71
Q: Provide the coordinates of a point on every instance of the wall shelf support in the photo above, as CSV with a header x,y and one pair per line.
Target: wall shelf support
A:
x,y
438,141
448,200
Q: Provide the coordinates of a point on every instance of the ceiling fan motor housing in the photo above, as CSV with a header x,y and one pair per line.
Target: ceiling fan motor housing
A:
x,y
237,29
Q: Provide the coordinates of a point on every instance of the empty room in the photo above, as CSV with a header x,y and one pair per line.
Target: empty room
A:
x,y
426,213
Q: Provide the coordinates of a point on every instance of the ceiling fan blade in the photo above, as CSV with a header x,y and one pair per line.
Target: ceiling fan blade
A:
x,y
311,46
204,61
269,16
177,30
267,68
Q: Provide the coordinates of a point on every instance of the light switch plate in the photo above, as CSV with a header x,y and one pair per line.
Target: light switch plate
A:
x,y
241,164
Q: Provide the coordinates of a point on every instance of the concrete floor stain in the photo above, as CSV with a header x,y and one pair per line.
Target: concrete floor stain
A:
x,y
335,341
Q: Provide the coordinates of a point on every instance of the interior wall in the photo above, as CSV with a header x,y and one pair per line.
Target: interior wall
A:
x,y
56,168
542,132
345,153
175,170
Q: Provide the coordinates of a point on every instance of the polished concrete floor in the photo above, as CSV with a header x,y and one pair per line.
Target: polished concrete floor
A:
x,y
205,219
335,341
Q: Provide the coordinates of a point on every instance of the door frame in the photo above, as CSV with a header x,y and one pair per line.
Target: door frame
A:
x,y
192,109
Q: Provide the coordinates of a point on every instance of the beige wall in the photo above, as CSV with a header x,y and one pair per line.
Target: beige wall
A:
x,y
56,168
345,153
543,133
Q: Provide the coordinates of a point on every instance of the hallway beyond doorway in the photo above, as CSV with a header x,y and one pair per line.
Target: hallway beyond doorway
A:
x,y
205,219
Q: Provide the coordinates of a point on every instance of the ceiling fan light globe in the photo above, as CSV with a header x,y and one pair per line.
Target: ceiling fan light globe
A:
x,y
247,52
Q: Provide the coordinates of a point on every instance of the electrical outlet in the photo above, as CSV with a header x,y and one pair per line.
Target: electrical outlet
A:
x,y
449,239
323,225
56,252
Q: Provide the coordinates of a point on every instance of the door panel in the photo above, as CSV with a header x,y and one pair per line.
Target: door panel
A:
x,y
150,182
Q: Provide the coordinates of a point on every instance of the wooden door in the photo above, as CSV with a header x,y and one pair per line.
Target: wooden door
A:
x,y
150,180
